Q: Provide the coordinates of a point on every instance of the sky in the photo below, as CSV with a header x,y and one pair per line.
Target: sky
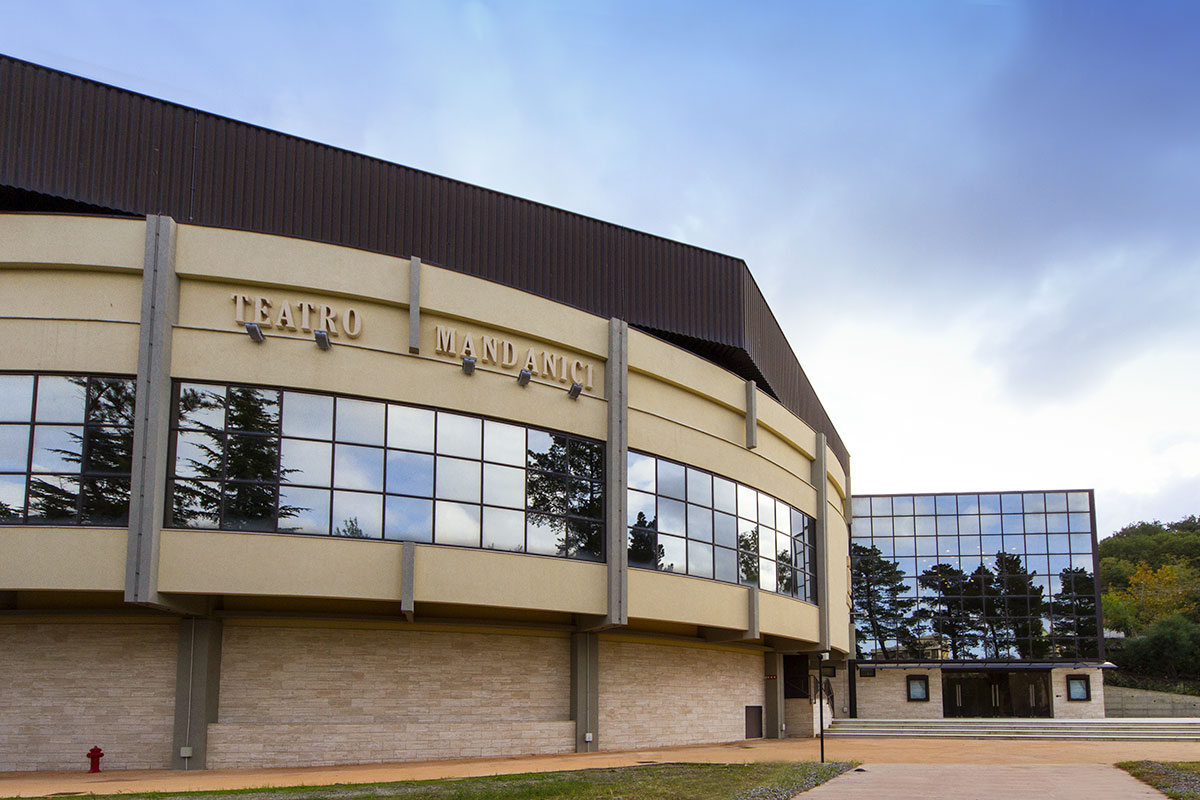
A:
x,y
977,221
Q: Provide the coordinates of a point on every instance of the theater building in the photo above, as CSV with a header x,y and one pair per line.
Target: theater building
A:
x,y
309,458
976,605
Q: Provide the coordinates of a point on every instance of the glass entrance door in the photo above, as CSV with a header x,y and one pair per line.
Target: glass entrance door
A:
x,y
993,693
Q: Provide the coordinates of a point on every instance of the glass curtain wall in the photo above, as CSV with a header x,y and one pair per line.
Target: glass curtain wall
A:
x,y
975,576
687,520
66,445
265,459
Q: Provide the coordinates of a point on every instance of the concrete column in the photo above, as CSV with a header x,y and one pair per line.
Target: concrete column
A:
x,y
414,305
408,573
197,690
152,412
616,472
773,691
585,691
751,415
820,481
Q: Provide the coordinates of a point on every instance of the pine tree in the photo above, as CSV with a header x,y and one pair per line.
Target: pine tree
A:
x,y
876,589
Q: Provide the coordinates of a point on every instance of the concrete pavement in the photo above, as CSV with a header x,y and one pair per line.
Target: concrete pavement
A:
x,y
984,782
871,752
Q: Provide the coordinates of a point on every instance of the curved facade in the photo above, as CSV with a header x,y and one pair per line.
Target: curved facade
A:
x,y
266,500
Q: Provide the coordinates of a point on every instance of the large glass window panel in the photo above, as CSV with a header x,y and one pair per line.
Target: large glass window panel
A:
x,y
111,401
881,506
412,473
249,506
16,398
585,540
766,510
1080,523
642,549
1014,523
886,545
700,559
642,511
968,524
725,529
968,504
948,546
989,524
457,479
902,506
641,472
725,565
766,542
926,545
904,526
672,481
783,518
946,504
1078,501
1034,502
1060,562
251,457
201,406
410,428
456,523
1056,501
1014,544
61,399
57,448
672,516
544,534
305,462
992,545
53,499
503,528
307,415
459,436
546,493
724,495
408,519
860,507
1058,543
989,504
108,450
1056,523
700,523
1036,543
14,448
747,536
766,574
969,545
924,505
699,487
906,546
586,498
947,525
504,444
12,497
504,486
673,554
303,510
1010,503
358,467
926,526
1082,561
1035,523
748,569
252,410
1081,543
747,503
587,459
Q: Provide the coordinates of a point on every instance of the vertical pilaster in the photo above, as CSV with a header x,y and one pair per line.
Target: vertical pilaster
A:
x,y
751,415
414,305
152,411
408,574
752,627
820,481
585,691
616,472
197,690
773,695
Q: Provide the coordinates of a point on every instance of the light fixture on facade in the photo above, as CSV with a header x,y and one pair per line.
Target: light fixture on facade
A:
x,y
255,332
322,338
469,365
523,377
574,391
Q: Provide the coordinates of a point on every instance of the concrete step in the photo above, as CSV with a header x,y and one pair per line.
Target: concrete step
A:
x,y
1098,729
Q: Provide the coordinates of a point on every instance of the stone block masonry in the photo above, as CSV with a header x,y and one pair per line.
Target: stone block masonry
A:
x,y
661,695
885,696
340,695
65,687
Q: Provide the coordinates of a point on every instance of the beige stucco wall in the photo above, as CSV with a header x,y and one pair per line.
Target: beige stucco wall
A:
x,y
83,559
326,695
659,694
886,695
68,687
1062,708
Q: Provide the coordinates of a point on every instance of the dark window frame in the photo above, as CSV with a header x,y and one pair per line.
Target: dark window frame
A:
x,y
916,680
1086,680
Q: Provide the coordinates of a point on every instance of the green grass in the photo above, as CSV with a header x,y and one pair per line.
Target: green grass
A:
x,y
759,781
1179,780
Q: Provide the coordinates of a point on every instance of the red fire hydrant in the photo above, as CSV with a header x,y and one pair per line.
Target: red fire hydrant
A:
x,y
94,755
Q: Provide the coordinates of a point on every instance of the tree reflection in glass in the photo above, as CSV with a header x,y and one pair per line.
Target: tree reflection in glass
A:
x,y
877,591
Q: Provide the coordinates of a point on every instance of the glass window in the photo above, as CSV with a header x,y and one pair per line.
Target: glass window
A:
x,y
503,528
408,519
860,506
410,473
672,554
918,688
410,428
700,559
924,505
968,504
1034,502
671,480
1079,687
724,495
504,444
456,523
301,461
1080,523
903,506
61,399
699,487
1056,501
881,506
356,467
725,529
16,398
903,526
459,436
989,504
947,525
457,479
1078,501
504,486
303,510
766,510
672,516
1010,503
881,526
747,503
306,415
946,504
699,523
641,472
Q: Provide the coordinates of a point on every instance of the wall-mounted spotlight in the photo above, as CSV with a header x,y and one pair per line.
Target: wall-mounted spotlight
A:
x,y
574,391
469,365
255,332
523,377
322,338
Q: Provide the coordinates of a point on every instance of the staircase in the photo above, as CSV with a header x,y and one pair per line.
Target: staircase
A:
x,y
1166,730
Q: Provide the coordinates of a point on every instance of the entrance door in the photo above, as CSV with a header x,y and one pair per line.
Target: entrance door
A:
x,y
992,693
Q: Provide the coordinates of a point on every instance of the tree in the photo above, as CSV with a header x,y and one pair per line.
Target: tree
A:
x,y
1074,610
876,589
560,490
350,528
1022,603
1155,543
1155,594
1170,648
946,612
982,600
643,550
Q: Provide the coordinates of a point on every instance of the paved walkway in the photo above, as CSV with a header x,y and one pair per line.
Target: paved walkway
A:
x,y
984,782
1008,756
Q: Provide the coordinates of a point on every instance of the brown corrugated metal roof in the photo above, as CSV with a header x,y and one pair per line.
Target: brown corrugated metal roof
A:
x,y
93,144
